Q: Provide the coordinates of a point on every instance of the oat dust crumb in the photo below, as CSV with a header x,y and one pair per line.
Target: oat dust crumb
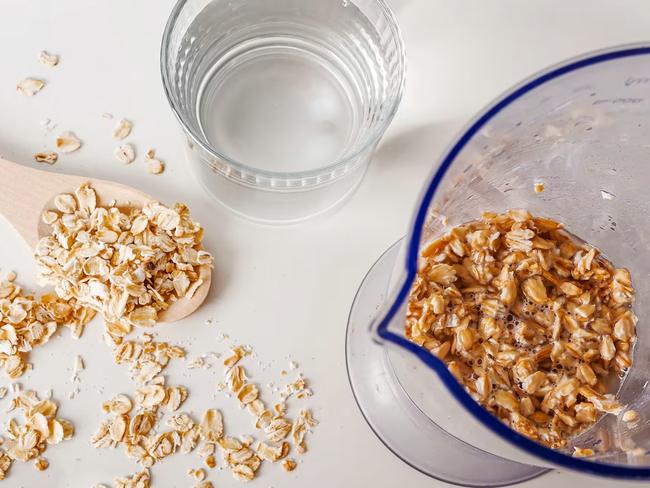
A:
x,y
153,165
47,59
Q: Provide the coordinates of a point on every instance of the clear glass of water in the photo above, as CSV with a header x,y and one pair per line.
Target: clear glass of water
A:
x,y
282,101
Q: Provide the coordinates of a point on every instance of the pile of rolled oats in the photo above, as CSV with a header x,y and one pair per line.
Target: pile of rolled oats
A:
x,y
41,428
273,422
127,264
532,322
130,265
27,322
134,424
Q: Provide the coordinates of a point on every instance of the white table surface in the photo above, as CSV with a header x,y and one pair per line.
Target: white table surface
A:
x,y
286,291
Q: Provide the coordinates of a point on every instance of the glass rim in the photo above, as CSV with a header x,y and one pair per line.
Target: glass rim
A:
x,y
381,323
372,138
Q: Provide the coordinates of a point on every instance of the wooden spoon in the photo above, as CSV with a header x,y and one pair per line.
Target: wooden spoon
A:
x,y
28,192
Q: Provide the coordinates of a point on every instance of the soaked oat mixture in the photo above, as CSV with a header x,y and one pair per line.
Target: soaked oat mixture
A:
x,y
533,322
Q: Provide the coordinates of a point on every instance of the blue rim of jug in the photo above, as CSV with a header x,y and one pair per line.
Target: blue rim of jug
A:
x,y
456,389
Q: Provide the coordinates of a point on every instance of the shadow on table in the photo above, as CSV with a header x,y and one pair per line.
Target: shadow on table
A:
x,y
397,5
420,146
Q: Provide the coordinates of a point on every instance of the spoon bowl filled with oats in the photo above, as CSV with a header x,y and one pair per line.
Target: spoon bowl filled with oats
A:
x,y
511,327
110,247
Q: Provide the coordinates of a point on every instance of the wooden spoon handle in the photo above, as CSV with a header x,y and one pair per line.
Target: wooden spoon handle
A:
x,y
25,194
30,191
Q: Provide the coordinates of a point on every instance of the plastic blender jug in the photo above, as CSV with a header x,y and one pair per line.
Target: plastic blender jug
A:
x,y
583,129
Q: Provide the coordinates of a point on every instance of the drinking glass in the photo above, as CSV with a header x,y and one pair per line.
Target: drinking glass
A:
x,y
282,102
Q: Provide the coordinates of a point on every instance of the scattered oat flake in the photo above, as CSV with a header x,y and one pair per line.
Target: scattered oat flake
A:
x,y
11,276
197,474
630,416
46,157
211,426
248,393
289,464
30,86
272,453
119,405
238,352
125,153
150,154
280,408
539,187
582,452
243,472
122,129
207,449
3,392
67,142
210,461
47,59
141,479
78,364
155,166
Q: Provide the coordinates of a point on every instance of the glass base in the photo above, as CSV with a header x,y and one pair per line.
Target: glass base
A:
x,y
398,423
276,207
